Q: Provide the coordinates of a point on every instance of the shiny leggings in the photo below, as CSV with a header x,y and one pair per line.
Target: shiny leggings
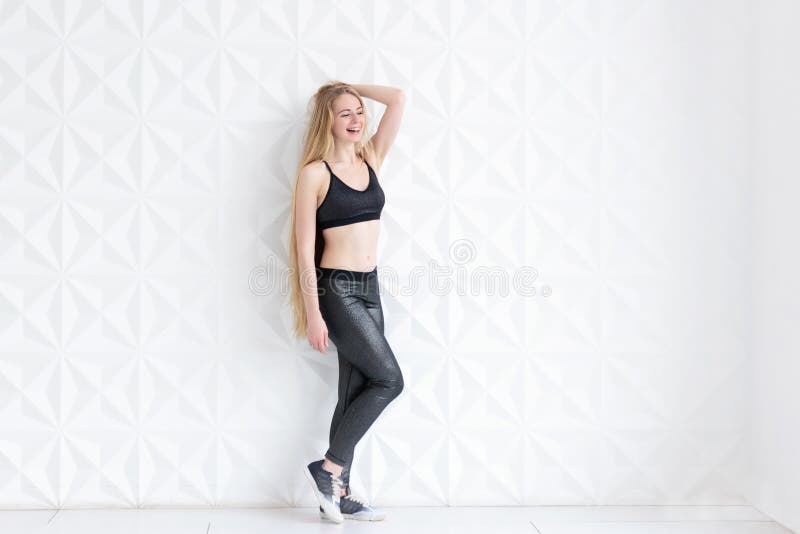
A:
x,y
369,375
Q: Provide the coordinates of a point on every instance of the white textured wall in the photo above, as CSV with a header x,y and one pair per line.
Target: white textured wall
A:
x,y
146,152
775,394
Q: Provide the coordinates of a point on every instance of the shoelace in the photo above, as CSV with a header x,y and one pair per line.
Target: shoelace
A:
x,y
352,497
336,485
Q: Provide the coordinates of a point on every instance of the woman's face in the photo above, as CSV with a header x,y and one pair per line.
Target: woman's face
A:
x,y
348,115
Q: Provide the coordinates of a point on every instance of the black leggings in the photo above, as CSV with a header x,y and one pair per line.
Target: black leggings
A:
x,y
369,376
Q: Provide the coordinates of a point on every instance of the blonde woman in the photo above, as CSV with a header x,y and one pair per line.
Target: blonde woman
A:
x,y
336,209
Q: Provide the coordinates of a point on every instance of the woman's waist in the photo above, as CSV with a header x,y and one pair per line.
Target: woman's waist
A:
x,y
348,258
347,274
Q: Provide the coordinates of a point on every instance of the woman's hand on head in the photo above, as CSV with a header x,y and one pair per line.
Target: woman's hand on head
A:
x,y
318,333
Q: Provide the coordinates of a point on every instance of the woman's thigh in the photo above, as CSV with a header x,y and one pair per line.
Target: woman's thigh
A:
x,y
355,327
351,380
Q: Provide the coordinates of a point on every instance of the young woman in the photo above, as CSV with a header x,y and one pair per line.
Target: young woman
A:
x,y
336,210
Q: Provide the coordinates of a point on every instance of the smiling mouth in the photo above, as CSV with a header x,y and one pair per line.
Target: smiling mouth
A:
x,y
356,130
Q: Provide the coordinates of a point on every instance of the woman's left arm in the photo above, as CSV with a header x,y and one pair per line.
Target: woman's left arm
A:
x,y
394,98
382,93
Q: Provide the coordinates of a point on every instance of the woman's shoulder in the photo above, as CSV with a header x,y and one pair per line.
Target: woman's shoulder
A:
x,y
314,165
315,170
314,174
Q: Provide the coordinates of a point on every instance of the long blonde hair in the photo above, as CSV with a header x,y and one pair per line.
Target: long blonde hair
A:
x,y
317,145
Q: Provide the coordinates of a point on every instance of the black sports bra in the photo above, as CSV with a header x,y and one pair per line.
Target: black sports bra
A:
x,y
344,205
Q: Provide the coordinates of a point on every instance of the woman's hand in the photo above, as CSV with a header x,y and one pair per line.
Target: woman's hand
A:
x,y
317,332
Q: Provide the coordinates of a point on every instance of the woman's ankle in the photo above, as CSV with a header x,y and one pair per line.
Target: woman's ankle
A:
x,y
331,467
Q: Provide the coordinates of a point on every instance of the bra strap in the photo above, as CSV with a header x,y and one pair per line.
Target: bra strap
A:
x,y
371,171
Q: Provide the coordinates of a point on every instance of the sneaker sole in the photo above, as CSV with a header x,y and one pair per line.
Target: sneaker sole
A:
x,y
332,513
354,518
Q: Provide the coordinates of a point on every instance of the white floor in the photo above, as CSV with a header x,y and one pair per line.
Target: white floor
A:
x,y
505,520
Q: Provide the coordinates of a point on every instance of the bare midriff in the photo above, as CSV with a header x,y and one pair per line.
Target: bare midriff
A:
x,y
352,246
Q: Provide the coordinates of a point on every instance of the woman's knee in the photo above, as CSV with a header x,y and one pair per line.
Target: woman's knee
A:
x,y
392,382
398,382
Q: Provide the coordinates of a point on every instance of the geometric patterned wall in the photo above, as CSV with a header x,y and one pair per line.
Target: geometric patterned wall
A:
x,y
147,152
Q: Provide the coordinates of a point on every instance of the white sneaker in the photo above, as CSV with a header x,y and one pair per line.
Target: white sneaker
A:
x,y
352,507
327,488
